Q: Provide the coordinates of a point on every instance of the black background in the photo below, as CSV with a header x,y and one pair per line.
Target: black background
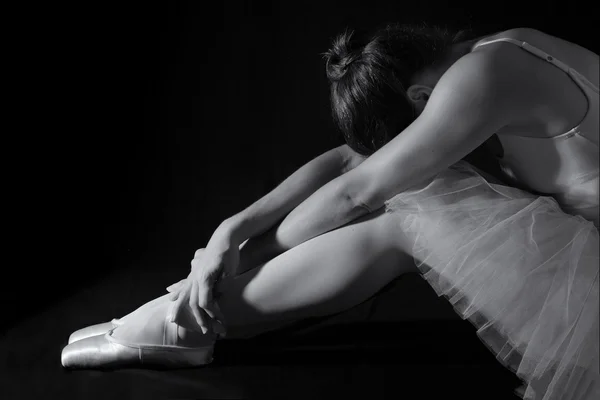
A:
x,y
132,129
146,124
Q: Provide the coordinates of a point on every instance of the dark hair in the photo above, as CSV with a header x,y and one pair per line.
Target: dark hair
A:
x,y
369,74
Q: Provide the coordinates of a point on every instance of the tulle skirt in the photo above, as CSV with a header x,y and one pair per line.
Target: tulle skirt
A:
x,y
522,271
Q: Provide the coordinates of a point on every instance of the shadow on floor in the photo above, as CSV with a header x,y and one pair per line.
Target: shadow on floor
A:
x,y
372,351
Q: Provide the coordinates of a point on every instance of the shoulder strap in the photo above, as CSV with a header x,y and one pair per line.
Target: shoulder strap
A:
x,y
531,49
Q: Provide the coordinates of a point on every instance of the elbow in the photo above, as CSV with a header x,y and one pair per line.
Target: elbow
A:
x,y
356,205
358,193
368,201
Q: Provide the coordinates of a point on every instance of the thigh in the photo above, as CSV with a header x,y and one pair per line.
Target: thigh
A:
x,y
326,274
380,226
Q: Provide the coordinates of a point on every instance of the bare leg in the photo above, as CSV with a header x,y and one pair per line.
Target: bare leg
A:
x,y
325,275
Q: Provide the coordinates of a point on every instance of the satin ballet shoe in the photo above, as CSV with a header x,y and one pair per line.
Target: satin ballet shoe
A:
x,y
110,350
100,329
93,330
104,351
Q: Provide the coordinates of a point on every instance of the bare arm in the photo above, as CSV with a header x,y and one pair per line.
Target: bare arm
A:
x,y
270,209
471,102
222,253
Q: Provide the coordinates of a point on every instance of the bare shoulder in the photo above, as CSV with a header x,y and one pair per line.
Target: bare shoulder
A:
x,y
543,40
522,34
549,102
506,69
485,88
498,72
576,56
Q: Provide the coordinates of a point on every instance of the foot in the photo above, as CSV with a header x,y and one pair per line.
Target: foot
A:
x,y
103,351
146,337
93,330
100,329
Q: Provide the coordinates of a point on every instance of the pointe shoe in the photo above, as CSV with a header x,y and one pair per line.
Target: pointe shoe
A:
x,y
100,329
108,351
93,330
104,351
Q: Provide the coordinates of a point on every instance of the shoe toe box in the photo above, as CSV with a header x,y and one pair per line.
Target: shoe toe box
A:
x,y
96,352
90,331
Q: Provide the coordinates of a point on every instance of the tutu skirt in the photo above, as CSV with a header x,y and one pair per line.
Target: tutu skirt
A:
x,y
521,270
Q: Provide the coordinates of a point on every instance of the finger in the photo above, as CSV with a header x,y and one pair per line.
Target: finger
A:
x,y
208,304
177,307
179,302
219,328
211,308
193,303
176,293
218,320
176,286
205,300
219,288
209,312
218,313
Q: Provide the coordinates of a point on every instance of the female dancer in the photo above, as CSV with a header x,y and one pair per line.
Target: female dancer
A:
x,y
515,264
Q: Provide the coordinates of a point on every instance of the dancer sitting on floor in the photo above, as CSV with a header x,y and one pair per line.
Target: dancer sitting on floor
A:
x,y
412,102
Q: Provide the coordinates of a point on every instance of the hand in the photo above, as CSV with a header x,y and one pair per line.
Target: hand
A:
x,y
195,294
174,288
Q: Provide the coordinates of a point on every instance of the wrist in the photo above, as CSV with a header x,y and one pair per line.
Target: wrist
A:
x,y
232,229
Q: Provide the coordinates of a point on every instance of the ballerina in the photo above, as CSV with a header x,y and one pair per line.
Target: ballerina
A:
x,y
516,253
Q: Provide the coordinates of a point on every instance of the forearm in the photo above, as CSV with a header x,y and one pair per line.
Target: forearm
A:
x,y
330,207
270,209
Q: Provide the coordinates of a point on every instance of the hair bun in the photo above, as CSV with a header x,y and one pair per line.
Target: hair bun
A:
x,y
340,56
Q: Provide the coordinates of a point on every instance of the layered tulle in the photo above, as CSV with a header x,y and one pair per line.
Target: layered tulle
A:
x,y
520,269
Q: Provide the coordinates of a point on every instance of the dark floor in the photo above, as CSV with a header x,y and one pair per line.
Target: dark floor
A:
x,y
339,357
